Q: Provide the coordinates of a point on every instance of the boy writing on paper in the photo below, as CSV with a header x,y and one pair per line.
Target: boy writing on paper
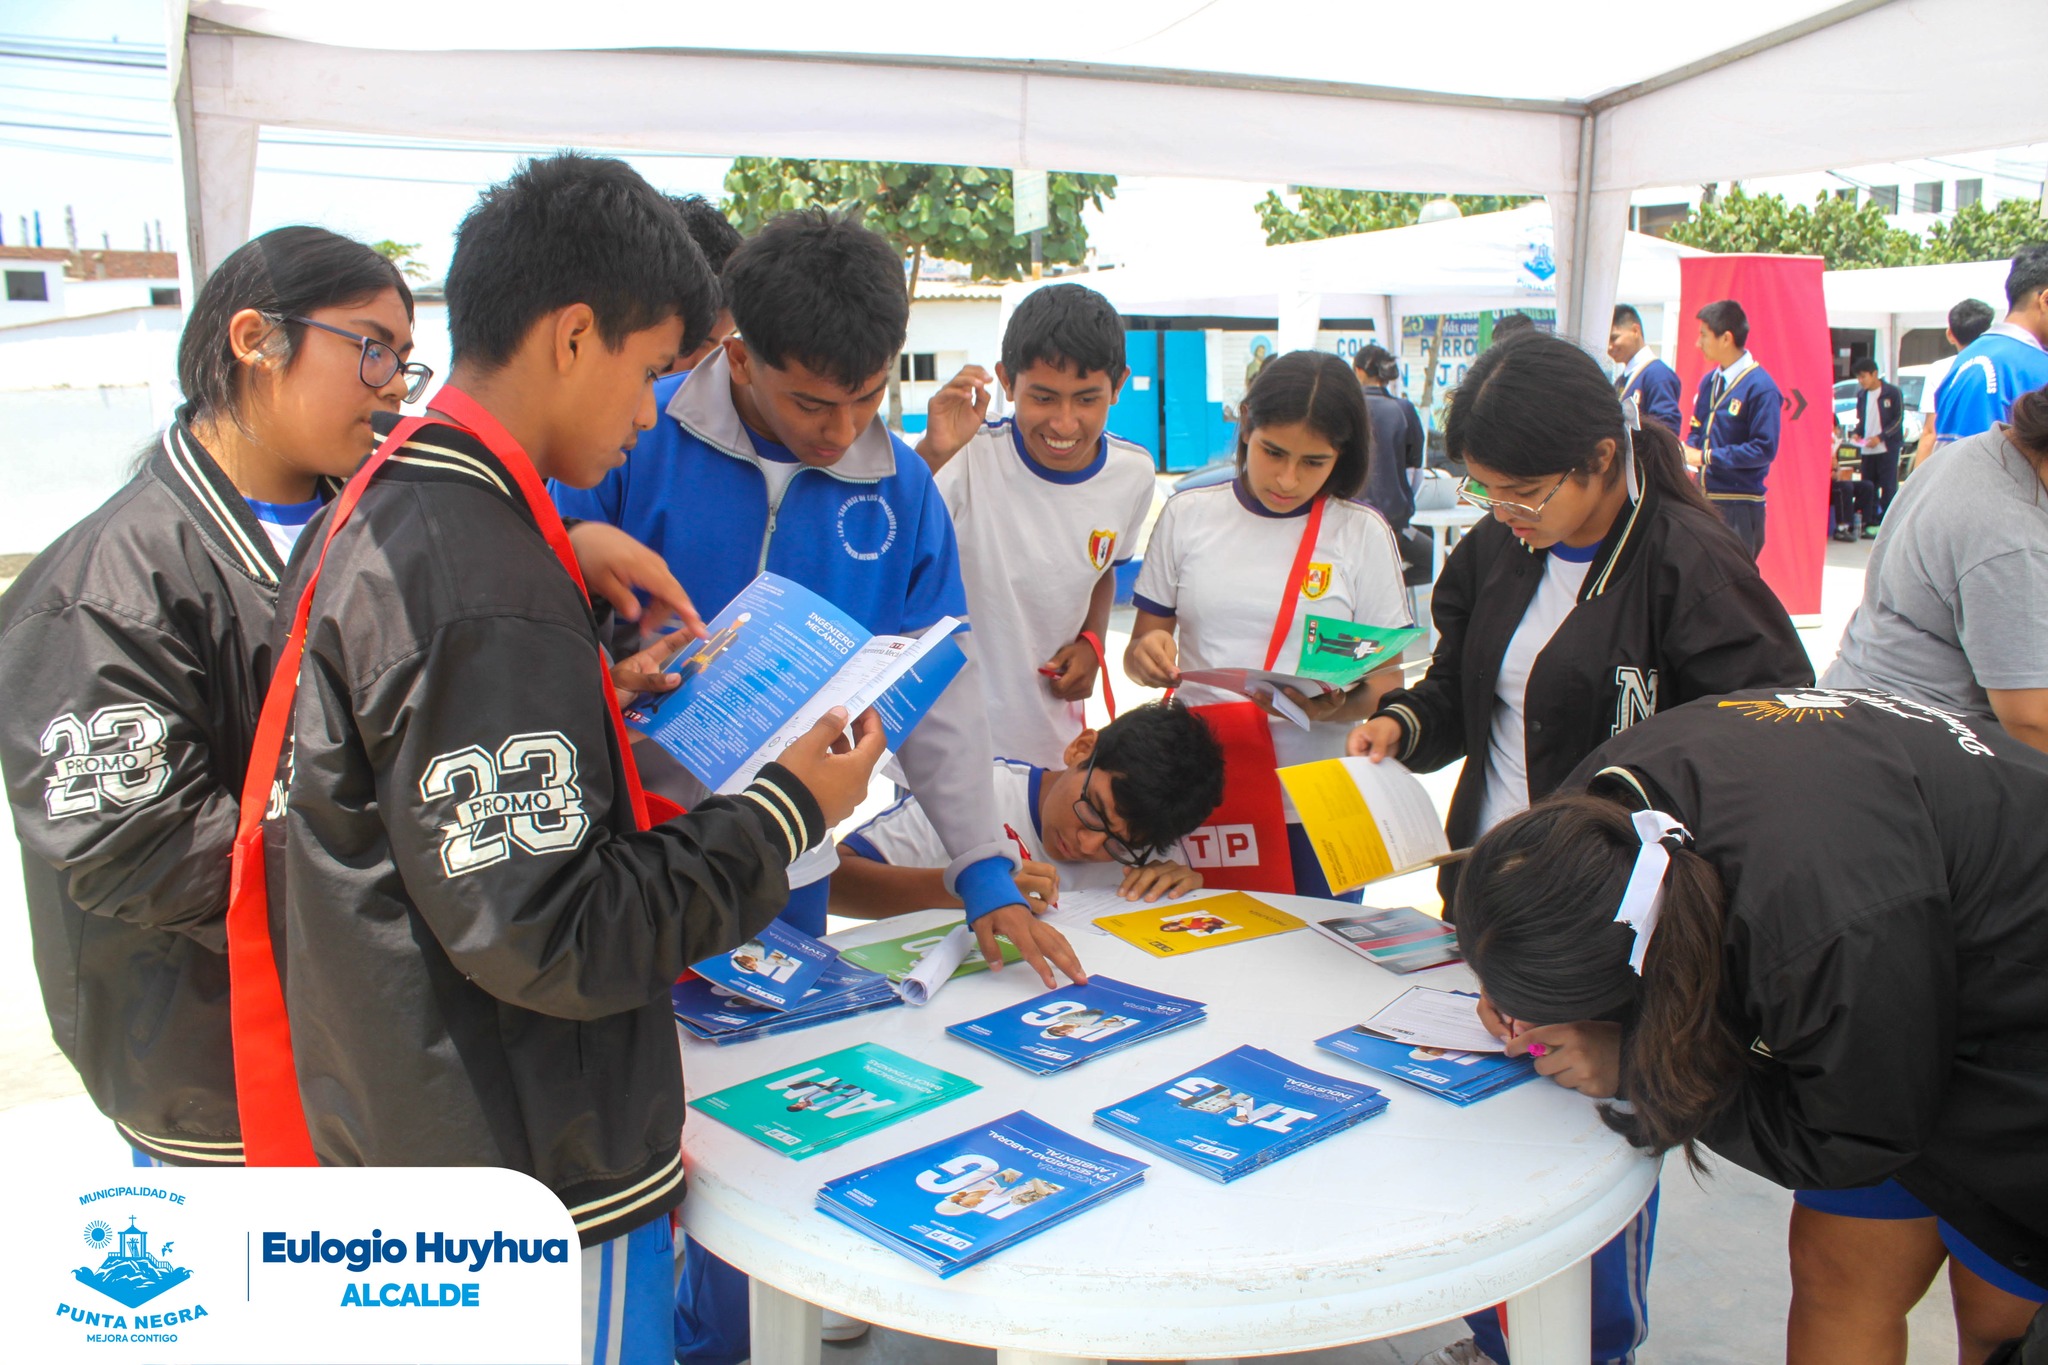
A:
x,y
1126,796
1045,504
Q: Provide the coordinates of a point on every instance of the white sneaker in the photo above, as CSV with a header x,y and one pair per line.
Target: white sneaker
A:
x,y
841,1328
1464,1352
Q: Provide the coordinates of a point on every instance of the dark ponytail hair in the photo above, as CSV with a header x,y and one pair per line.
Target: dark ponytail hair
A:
x,y
1535,915
1315,389
1376,363
289,271
1537,406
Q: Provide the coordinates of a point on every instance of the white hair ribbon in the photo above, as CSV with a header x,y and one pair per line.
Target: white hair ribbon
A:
x,y
1631,422
1644,898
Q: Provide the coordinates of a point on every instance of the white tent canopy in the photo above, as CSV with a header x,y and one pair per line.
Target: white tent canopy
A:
x,y
1572,100
1496,260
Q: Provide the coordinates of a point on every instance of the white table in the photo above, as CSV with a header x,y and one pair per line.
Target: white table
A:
x,y
1410,1219
1445,525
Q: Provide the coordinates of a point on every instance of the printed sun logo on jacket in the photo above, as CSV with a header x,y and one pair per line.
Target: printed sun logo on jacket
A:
x,y
1101,548
117,755
1316,581
526,795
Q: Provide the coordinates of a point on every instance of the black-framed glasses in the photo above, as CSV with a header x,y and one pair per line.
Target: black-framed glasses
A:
x,y
379,363
1478,497
1096,821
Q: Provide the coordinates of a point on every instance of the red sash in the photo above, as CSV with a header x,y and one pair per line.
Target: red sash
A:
x,y
1243,844
274,1131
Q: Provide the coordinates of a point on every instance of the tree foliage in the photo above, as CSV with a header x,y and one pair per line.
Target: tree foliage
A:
x,y
401,255
1978,233
1854,237
954,213
1848,235
1338,213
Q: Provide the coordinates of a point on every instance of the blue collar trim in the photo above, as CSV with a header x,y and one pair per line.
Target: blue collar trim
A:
x,y
1259,509
1066,476
285,513
1572,556
1037,823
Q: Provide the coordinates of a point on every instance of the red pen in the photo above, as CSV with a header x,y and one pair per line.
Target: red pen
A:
x,y
1023,852
1050,672
1538,1050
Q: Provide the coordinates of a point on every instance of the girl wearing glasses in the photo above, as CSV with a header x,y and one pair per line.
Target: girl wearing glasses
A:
x,y
132,656
1603,590
1226,582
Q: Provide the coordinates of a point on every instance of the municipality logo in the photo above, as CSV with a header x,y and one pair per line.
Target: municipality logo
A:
x,y
131,1274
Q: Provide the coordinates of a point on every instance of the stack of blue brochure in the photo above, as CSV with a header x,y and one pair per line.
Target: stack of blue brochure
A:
x,y
1460,1077
779,981
1244,1110
961,1200
1065,1028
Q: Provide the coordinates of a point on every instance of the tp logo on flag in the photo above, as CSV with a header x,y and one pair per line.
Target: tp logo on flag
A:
x,y
1223,846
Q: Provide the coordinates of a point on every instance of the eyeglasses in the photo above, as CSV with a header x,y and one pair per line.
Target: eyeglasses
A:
x,y
1474,494
379,362
1096,821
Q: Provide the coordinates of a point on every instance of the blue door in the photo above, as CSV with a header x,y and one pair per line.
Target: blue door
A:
x,y
1136,414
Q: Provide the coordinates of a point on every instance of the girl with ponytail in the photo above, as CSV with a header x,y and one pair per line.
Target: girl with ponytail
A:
x,y
1602,591
1816,950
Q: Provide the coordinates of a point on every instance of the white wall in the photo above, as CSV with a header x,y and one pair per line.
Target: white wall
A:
x,y
135,346
954,332
102,296
52,272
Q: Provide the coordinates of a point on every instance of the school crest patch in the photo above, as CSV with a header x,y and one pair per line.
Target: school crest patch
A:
x,y
1101,548
1316,581
1734,406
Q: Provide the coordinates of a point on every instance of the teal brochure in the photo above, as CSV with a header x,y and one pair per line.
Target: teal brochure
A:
x,y
1341,652
776,659
814,1106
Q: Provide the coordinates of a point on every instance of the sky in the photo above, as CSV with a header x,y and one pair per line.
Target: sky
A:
x,y
96,138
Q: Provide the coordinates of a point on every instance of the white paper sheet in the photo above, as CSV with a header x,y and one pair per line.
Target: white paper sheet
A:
x,y
1438,1019
936,967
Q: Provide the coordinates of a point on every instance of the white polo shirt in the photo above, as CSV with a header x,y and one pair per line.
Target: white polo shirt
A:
x,y
1033,543
1218,562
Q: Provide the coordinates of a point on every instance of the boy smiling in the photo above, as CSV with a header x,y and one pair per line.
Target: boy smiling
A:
x,y
1046,505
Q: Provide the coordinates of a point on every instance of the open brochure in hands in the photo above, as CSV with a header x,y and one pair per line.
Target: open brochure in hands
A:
x,y
1422,1017
717,1015
1243,1110
1460,1077
1366,820
1190,926
1335,656
1064,1028
961,1200
1401,939
777,659
1341,653
777,967
814,1106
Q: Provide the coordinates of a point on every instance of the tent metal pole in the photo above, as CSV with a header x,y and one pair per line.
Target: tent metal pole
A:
x,y
1582,229
1826,19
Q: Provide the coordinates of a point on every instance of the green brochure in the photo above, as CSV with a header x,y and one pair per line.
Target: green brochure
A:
x,y
1341,652
894,958
811,1107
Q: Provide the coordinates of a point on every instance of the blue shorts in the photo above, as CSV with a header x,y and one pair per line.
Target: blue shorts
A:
x,y
1892,1202
628,1298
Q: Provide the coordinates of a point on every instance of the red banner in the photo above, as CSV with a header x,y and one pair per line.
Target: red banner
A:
x,y
1788,335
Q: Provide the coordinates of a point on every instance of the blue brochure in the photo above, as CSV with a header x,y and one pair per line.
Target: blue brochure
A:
x,y
1460,1077
961,1200
1241,1111
777,658
1065,1028
721,1016
777,967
